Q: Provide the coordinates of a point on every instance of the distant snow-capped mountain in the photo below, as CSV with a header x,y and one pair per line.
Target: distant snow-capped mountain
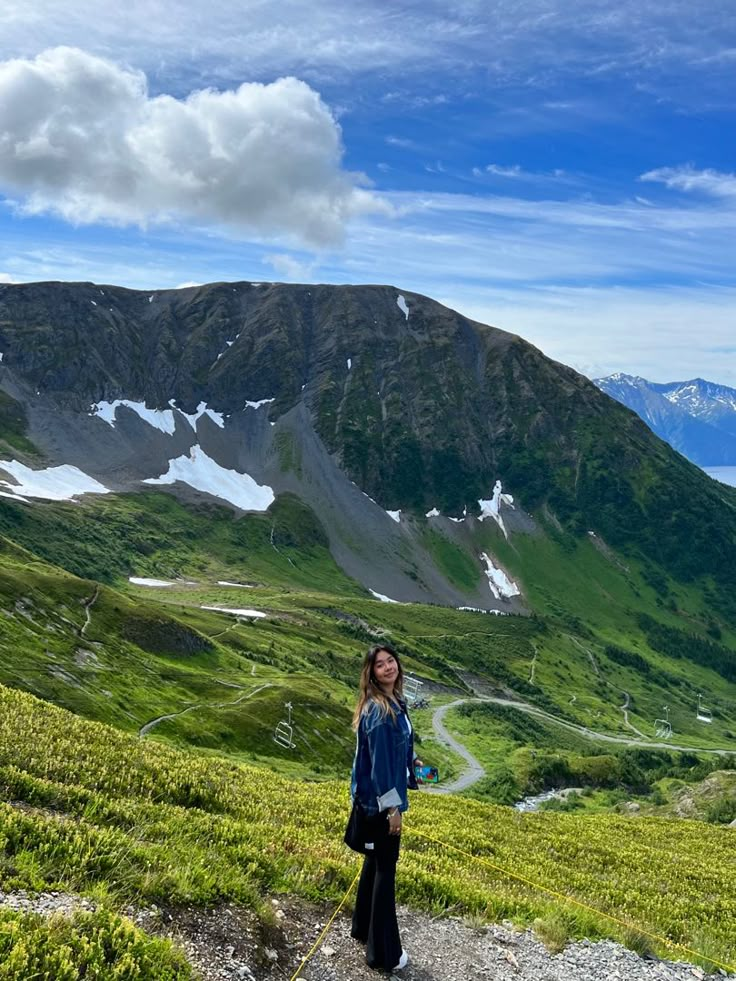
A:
x,y
697,417
704,400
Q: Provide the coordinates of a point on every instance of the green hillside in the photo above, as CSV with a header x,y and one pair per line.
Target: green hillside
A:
x,y
599,632
98,812
165,783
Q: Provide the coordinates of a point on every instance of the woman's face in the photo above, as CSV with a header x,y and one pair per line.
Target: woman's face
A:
x,y
385,670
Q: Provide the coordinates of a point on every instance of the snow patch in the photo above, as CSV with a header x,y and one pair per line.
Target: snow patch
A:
x,y
402,305
202,410
162,419
350,363
434,513
93,303
203,474
395,516
150,298
53,484
255,614
241,585
501,585
381,597
257,405
477,609
1,356
492,507
137,581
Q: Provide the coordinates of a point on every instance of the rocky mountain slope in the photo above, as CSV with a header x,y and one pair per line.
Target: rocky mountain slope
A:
x,y
697,418
413,433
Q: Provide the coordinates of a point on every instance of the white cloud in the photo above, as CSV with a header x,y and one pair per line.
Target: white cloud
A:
x,y
517,172
687,178
533,43
499,171
81,137
290,268
6,278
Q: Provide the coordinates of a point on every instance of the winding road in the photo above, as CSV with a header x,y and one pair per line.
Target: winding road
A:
x,y
475,770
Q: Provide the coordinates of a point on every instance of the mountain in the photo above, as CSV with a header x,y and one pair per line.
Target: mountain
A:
x,y
388,416
213,499
697,418
704,400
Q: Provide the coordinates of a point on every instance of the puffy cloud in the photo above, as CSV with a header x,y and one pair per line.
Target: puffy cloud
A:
x,y
81,137
687,178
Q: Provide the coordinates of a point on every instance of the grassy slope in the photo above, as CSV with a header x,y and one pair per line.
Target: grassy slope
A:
x,y
130,821
586,600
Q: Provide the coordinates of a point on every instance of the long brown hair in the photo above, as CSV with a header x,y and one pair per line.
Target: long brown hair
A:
x,y
371,690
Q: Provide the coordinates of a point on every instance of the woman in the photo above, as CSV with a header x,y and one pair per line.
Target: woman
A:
x,y
383,770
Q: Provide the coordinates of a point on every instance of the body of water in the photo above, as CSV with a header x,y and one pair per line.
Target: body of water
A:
x,y
726,475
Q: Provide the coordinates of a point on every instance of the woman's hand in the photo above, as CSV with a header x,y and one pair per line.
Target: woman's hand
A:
x,y
394,822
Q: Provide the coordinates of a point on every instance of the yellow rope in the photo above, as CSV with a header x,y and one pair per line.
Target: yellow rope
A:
x,y
577,902
322,935
535,885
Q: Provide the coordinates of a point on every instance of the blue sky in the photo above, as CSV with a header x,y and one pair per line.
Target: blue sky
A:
x,y
561,169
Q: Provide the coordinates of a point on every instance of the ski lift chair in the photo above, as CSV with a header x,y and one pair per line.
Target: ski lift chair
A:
x,y
411,689
284,732
703,714
663,727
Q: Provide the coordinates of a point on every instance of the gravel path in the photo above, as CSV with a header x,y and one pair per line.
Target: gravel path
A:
x,y
589,733
451,950
474,771
228,943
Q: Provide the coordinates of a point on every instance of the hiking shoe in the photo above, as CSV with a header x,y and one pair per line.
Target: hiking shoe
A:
x,y
403,961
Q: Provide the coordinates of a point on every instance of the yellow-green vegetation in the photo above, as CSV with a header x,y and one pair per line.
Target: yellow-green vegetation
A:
x,y
145,822
99,946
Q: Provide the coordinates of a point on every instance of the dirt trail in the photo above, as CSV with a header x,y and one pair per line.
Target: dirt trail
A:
x,y
145,729
88,604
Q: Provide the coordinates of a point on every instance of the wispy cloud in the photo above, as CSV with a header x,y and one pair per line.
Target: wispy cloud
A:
x,y
517,173
402,142
291,268
687,178
532,44
654,328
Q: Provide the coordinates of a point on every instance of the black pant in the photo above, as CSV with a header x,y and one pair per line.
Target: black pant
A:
x,y
374,916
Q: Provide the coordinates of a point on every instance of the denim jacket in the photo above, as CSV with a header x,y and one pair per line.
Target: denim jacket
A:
x,y
383,768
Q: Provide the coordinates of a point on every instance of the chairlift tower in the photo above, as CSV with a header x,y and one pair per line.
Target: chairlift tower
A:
x,y
284,733
663,727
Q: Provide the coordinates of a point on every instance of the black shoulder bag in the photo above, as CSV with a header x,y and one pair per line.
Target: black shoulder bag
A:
x,y
365,832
